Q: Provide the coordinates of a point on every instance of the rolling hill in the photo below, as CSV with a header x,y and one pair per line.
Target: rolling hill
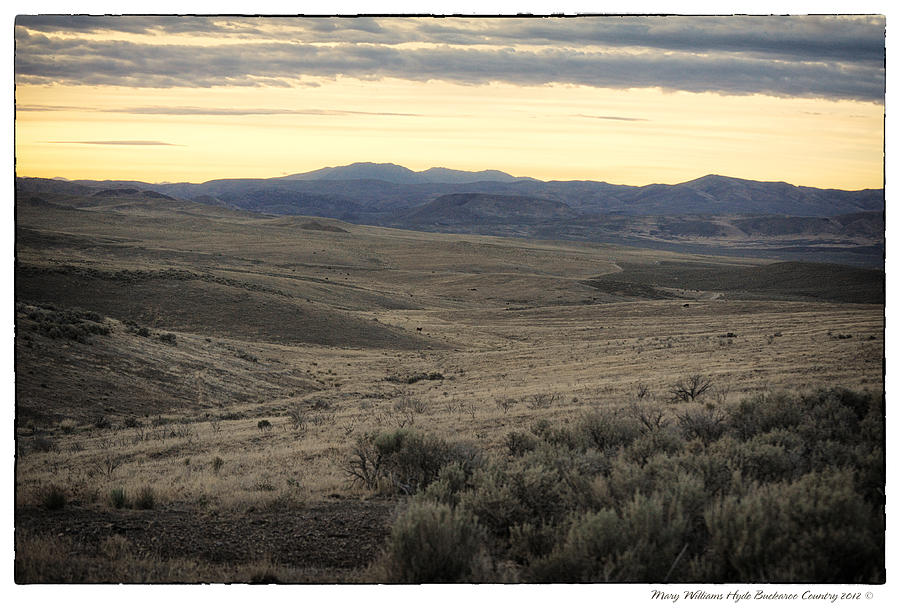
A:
x,y
715,214
464,210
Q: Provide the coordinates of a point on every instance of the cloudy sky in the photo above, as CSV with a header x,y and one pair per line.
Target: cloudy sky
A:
x,y
630,100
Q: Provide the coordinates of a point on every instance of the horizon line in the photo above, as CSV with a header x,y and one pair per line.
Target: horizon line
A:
x,y
514,178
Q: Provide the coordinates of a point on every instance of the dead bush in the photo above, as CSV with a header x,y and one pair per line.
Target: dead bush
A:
x,y
691,388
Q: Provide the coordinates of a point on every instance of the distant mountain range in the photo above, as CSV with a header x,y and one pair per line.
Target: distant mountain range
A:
x,y
494,202
398,174
369,190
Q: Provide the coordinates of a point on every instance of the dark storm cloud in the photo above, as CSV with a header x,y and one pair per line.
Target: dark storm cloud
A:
x,y
131,25
807,38
794,56
307,29
797,38
364,24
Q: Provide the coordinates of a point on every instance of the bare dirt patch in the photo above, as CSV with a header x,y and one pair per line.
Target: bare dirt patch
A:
x,y
337,536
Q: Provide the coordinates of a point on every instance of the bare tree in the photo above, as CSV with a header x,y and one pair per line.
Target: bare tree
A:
x,y
650,416
542,400
365,464
642,391
691,388
505,404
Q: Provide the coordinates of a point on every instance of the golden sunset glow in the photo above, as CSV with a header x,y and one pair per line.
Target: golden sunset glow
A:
x,y
563,131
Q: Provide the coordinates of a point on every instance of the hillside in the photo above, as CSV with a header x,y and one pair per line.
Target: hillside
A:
x,y
714,194
464,210
781,280
713,214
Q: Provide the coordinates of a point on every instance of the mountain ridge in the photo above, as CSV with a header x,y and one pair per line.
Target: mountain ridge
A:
x,y
742,219
391,172
387,194
398,174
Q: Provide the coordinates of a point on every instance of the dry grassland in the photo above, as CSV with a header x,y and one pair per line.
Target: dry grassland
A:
x,y
318,332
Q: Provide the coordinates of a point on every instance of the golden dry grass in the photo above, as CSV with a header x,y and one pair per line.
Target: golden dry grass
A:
x,y
501,320
597,357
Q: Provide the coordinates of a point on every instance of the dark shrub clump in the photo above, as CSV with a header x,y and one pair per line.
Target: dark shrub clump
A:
x,y
776,488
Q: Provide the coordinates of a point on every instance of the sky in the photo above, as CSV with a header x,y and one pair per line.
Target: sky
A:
x,y
627,100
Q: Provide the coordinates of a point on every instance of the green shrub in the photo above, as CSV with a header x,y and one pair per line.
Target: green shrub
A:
x,y
529,542
79,315
829,420
870,477
540,491
452,480
766,462
872,427
217,464
70,324
493,502
753,492
816,529
117,498
665,441
834,428
714,469
432,543
642,543
405,460
588,552
763,413
571,474
518,443
628,477
656,530
608,430
412,459
861,404
521,493
702,423
562,437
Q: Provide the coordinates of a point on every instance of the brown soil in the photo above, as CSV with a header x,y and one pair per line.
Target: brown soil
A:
x,y
335,536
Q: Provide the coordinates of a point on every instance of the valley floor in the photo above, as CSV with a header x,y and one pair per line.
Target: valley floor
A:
x,y
190,387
